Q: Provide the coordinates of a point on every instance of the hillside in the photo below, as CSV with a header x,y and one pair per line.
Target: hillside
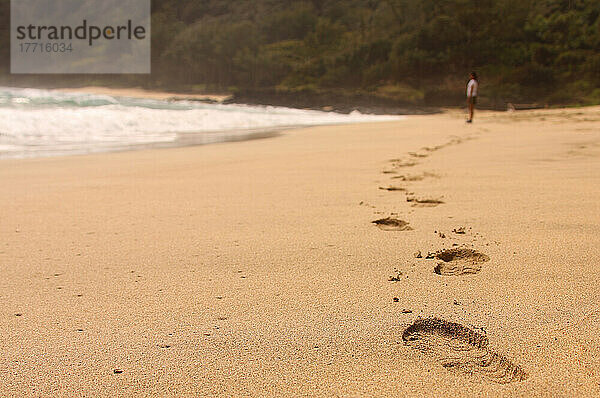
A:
x,y
404,52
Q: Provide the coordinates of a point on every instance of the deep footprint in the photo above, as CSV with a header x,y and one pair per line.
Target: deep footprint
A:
x,y
393,189
459,261
392,224
424,202
458,348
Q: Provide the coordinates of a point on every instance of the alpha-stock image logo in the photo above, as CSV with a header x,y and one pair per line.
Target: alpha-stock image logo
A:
x,y
80,36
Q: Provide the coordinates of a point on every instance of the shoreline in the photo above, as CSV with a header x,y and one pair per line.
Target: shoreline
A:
x,y
137,125
134,92
326,102
257,269
183,140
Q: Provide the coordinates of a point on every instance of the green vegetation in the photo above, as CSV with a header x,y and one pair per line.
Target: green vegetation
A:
x,y
413,52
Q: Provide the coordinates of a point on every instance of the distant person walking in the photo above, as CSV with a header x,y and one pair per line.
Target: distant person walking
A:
x,y
472,87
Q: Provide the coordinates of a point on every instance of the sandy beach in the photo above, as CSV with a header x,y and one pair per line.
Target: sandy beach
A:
x,y
255,269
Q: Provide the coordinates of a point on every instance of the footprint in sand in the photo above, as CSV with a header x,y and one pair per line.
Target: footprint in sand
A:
x,y
392,189
459,261
414,177
397,163
458,348
424,202
453,141
392,224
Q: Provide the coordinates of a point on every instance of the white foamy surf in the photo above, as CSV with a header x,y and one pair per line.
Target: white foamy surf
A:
x,y
37,122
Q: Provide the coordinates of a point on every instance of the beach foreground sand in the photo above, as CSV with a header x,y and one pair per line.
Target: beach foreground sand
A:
x,y
254,268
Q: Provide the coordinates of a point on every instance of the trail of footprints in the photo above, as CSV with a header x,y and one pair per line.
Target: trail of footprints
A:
x,y
454,346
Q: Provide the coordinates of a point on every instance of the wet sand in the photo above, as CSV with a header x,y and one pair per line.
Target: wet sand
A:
x,y
254,268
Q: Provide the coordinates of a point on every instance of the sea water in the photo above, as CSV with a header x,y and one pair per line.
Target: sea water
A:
x,y
36,122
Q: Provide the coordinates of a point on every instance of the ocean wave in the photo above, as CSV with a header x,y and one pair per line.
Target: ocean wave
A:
x,y
37,122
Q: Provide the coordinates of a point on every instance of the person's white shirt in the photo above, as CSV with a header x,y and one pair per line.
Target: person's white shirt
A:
x,y
474,85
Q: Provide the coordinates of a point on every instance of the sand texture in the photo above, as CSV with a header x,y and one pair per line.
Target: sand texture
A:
x,y
278,267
